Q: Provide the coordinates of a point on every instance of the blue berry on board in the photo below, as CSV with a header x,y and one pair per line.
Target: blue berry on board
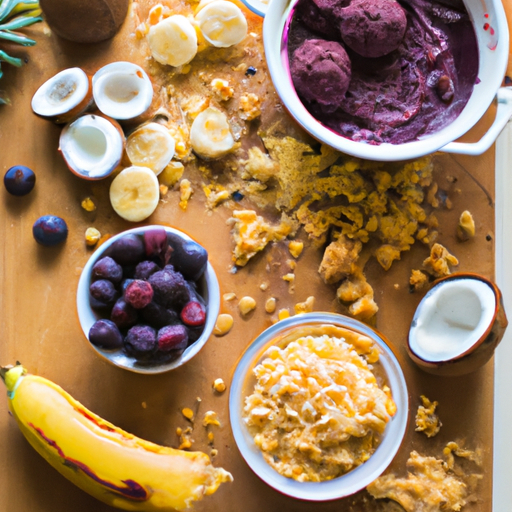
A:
x,y
50,230
19,180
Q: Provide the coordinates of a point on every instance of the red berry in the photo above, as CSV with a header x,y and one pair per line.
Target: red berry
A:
x,y
172,337
193,314
138,293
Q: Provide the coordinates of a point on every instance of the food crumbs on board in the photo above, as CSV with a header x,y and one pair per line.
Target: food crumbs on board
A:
x,y
223,324
185,193
188,413
219,385
246,305
296,247
270,305
426,420
88,204
92,236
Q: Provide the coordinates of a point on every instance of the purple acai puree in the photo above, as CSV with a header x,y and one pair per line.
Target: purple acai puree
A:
x,y
372,28
321,73
417,89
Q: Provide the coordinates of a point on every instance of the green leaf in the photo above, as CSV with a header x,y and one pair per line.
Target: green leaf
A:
x,y
13,7
16,38
11,60
21,21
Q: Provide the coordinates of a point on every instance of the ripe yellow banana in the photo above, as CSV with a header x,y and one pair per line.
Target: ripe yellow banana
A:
x,y
112,465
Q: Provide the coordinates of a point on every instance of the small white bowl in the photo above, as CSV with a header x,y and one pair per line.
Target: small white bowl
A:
x,y
359,477
208,287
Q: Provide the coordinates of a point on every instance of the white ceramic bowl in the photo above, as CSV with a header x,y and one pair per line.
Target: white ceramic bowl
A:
x,y
493,48
359,477
208,287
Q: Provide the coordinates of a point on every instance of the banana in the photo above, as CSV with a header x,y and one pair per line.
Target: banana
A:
x,y
173,41
134,193
222,23
151,146
112,465
210,134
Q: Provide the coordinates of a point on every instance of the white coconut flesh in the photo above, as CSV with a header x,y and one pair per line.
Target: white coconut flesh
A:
x,y
122,90
451,318
92,146
61,93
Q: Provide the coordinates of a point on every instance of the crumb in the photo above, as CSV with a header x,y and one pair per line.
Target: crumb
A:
x,y
229,296
246,305
339,259
188,413
171,174
264,286
270,305
211,418
426,419
306,306
250,105
185,193
92,236
439,262
418,280
466,226
219,385
259,166
223,324
88,205
221,89
144,405
296,247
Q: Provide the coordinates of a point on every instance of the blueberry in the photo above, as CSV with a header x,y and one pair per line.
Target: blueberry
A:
x,y
188,257
102,293
123,315
19,180
105,334
128,250
107,268
50,230
170,289
140,341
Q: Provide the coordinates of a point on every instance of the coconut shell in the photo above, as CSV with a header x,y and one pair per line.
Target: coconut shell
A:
x,y
85,21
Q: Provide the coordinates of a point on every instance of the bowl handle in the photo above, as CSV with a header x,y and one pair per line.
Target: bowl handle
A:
x,y
503,115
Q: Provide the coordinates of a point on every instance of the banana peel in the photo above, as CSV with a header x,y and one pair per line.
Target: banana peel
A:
x,y
112,465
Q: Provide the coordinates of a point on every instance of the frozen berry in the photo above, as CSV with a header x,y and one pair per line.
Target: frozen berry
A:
x,y
170,289
188,257
19,180
105,334
125,283
140,341
172,337
128,250
156,243
138,293
194,333
157,316
50,230
193,314
145,269
107,268
123,315
102,293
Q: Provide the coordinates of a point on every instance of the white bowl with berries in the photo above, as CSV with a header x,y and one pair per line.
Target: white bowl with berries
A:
x,y
148,299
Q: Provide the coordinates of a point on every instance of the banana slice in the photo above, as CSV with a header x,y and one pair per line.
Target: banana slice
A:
x,y
173,41
134,193
151,146
222,23
210,134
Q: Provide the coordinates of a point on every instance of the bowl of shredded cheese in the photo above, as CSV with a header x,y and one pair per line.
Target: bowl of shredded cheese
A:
x,y
318,406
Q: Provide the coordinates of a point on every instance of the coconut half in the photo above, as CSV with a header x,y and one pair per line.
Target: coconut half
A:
x,y
457,325
122,90
63,96
92,146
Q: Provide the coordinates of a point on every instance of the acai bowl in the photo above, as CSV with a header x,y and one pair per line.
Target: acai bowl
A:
x,y
491,54
293,348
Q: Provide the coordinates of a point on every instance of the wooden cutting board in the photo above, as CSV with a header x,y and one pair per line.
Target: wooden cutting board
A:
x,y
39,324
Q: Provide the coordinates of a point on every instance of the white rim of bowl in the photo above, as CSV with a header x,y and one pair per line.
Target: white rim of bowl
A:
x,y
358,478
86,315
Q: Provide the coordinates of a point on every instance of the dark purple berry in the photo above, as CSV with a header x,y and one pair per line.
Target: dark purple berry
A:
x,y
194,333
105,334
140,341
128,250
156,243
157,316
193,314
123,315
50,230
188,257
19,180
145,269
107,268
138,294
124,284
172,337
170,289
102,293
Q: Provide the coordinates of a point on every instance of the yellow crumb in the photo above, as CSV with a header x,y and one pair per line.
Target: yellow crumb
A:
x,y
219,385
88,204
92,236
223,324
185,193
188,413
426,419
295,247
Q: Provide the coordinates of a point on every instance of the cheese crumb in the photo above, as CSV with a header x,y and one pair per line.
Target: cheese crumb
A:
x,y
221,88
92,236
88,205
185,193
426,419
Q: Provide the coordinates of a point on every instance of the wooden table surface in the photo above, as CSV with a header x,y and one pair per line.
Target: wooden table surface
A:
x,y
39,324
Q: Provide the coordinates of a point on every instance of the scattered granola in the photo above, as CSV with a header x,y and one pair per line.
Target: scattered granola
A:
x,y
418,280
466,227
439,262
426,419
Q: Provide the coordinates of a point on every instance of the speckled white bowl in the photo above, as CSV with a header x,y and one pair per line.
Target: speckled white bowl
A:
x,y
359,477
208,287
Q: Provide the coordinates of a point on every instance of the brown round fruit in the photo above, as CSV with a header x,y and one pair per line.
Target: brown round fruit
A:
x,y
85,21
